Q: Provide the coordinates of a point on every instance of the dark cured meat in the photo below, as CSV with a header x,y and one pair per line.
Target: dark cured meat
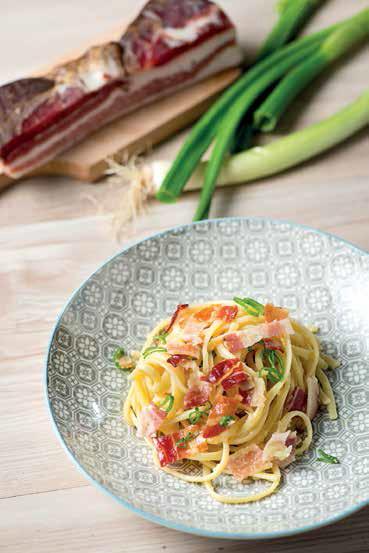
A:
x,y
176,360
171,44
149,42
237,376
220,369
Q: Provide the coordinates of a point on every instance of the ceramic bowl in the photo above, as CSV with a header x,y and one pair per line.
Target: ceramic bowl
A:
x,y
320,278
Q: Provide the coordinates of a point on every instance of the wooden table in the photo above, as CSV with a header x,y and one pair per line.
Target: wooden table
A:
x,y
52,237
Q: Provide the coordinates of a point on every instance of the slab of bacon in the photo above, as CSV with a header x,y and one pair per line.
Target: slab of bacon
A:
x,y
171,44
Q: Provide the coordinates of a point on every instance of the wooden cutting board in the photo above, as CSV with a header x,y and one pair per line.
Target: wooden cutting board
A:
x,y
136,131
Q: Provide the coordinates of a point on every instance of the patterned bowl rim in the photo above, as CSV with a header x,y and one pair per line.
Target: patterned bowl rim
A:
x,y
154,518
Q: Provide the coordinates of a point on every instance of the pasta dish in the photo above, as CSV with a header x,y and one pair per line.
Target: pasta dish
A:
x,y
232,386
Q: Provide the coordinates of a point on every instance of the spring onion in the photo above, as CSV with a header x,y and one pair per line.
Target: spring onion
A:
x,y
252,307
267,116
161,338
290,21
332,47
183,441
231,120
326,458
152,349
197,413
293,14
202,134
281,154
167,403
118,354
275,368
226,420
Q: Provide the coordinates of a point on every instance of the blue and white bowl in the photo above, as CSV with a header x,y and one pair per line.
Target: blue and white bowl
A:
x,y
320,278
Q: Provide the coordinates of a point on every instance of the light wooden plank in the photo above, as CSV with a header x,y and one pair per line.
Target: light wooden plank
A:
x,y
84,520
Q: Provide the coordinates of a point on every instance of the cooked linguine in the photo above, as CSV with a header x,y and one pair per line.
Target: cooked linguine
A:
x,y
233,386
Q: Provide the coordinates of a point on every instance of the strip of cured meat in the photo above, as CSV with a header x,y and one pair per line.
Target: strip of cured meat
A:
x,y
170,45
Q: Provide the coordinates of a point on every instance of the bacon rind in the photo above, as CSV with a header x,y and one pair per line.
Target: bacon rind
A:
x,y
174,317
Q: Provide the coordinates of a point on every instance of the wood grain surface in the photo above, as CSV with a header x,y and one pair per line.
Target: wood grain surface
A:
x,y
52,237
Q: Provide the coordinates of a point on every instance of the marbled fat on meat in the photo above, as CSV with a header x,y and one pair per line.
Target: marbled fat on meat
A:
x,y
170,45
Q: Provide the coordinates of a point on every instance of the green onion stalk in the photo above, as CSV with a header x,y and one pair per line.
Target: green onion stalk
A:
x,y
262,161
203,133
231,121
333,47
269,113
293,15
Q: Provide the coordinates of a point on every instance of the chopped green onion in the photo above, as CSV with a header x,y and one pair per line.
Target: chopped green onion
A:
x,y
275,369
152,349
167,403
293,14
226,420
183,441
118,354
326,458
122,361
252,307
161,338
196,415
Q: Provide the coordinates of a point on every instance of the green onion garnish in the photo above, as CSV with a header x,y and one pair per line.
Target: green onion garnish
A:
x,y
196,415
252,307
276,368
167,403
225,421
161,338
183,441
118,354
326,458
152,349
